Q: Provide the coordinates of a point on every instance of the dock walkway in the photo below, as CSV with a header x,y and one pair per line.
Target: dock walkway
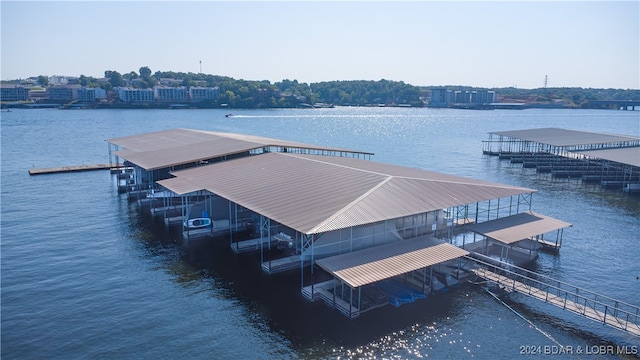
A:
x,y
73,168
281,264
603,309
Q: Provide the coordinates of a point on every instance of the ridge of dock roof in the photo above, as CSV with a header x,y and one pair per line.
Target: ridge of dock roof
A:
x,y
314,194
162,149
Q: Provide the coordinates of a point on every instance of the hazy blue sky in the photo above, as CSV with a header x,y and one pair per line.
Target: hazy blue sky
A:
x,y
485,44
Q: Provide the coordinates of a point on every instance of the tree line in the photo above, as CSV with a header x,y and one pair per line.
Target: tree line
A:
x,y
291,93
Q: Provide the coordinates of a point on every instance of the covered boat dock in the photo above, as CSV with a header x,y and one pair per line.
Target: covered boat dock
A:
x,y
518,236
336,217
394,273
625,162
154,155
608,159
329,212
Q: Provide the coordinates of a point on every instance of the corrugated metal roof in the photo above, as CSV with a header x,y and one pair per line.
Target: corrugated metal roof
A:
x,y
628,155
313,194
174,147
517,227
564,137
370,265
180,186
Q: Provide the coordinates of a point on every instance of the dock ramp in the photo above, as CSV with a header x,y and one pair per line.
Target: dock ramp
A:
x,y
600,308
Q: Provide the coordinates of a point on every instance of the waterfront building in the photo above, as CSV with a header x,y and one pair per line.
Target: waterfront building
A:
x,y
86,94
132,95
63,93
13,92
37,95
58,80
441,97
169,82
198,94
166,94
462,97
438,98
483,97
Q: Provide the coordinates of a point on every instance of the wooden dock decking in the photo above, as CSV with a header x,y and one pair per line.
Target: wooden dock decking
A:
x,y
249,245
281,264
74,168
321,291
548,245
610,315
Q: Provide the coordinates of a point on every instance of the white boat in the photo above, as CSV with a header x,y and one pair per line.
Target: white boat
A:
x,y
160,194
221,225
446,278
197,223
283,241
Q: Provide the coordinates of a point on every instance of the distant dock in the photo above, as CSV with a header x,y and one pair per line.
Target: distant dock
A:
x,y
611,160
74,168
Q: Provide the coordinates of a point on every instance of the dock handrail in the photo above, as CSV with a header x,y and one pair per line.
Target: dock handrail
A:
x,y
584,302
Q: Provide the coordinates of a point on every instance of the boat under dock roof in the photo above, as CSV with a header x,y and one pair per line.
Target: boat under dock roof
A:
x,y
382,262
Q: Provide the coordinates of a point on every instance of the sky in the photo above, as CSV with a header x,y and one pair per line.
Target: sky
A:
x,y
589,44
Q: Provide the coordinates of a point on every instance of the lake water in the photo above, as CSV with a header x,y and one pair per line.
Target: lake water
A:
x,y
85,274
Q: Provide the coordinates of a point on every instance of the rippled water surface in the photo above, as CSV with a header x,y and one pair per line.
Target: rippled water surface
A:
x,y
85,274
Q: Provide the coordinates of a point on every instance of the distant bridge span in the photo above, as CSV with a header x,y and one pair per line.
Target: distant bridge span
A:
x,y
618,104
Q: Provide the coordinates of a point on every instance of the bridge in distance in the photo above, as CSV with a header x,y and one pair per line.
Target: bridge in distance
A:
x,y
617,104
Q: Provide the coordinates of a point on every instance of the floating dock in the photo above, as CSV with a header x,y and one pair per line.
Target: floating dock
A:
x,y
75,168
611,160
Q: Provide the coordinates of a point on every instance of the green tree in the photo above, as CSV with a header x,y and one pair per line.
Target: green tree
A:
x,y
115,79
145,72
43,80
106,86
228,97
83,80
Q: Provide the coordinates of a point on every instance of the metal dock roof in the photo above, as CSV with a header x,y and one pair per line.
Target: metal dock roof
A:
x,y
164,149
370,265
564,137
313,194
627,156
517,227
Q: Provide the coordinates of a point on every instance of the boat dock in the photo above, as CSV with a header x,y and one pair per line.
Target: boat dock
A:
x,y
361,234
611,160
600,308
75,168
